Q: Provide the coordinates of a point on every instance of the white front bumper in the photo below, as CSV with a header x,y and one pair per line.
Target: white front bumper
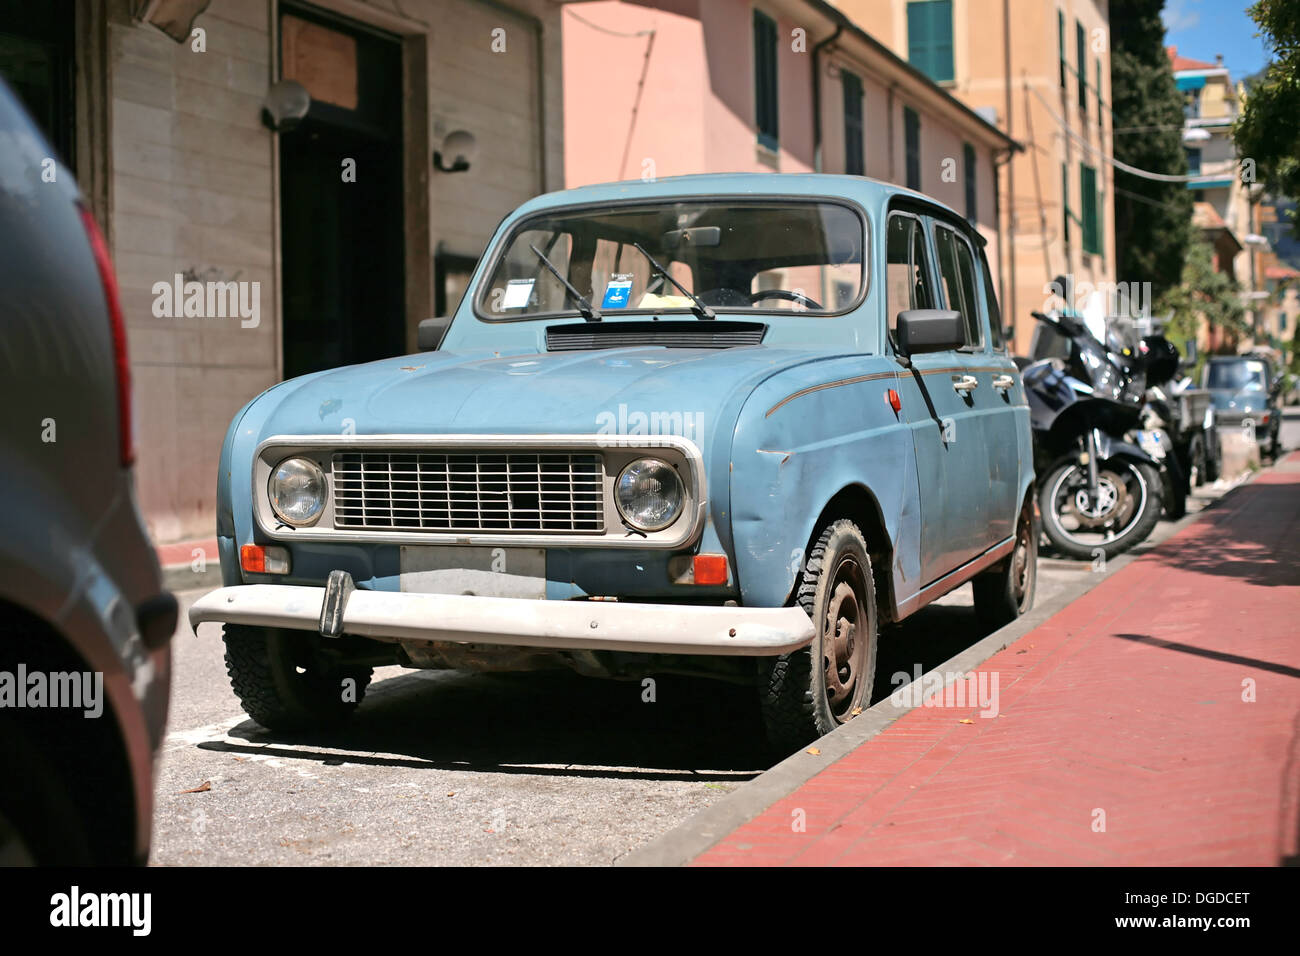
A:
x,y
561,625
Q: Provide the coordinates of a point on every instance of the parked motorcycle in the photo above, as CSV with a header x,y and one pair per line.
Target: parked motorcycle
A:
x,y
1098,493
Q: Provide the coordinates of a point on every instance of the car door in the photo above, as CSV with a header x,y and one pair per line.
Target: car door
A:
x,y
1000,399
936,407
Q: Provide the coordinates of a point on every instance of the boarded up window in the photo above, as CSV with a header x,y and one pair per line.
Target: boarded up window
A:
x,y
321,59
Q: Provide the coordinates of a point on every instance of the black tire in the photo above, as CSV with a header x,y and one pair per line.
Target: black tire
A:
x,y
284,685
1196,459
40,824
793,693
1006,592
1175,489
1135,531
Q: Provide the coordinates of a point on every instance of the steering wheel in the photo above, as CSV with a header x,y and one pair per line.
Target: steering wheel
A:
x,y
787,295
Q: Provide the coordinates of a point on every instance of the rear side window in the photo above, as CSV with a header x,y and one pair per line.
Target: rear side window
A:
x,y
908,279
991,300
957,274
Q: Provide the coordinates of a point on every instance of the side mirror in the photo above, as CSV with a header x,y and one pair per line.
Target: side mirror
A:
x,y
929,330
430,333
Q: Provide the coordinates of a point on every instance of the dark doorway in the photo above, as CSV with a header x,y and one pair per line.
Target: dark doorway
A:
x,y
36,61
341,195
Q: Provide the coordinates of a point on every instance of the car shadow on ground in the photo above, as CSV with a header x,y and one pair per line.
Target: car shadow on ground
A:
x,y
561,724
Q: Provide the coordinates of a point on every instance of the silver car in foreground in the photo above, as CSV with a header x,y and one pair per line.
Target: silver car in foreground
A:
x,y
84,619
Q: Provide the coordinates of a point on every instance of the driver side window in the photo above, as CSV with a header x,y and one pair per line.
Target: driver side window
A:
x,y
907,278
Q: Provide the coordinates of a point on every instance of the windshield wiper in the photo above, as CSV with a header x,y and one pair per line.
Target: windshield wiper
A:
x,y
699,308
586,308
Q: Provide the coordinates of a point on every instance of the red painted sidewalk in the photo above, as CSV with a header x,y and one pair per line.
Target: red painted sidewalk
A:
x,y
1125,710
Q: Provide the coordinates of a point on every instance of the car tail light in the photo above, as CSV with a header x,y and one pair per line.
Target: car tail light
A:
x,y
126,438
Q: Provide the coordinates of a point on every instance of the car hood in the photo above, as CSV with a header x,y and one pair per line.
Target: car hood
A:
x,y
619,391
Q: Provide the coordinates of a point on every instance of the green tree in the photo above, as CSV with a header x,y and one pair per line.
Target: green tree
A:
x,y
1152,219
1202,292
1267,132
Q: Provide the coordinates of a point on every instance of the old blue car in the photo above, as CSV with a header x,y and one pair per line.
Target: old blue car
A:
x,y
724,425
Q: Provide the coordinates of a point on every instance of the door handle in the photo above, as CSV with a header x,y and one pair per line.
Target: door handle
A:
x,y
964,383
1003,382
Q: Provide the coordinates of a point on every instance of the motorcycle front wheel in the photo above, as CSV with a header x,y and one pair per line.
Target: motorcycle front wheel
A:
x,y
1127,506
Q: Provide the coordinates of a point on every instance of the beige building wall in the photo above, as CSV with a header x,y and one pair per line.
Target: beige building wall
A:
x,y
1038,114
191,184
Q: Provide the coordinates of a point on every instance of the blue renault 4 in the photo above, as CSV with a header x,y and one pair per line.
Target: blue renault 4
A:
x,y
723,425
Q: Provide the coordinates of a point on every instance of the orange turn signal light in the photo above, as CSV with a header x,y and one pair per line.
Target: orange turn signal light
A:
x,y
895,402
257,559
710,569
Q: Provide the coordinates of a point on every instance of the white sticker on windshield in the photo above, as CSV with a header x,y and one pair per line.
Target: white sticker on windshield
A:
x,y
518,292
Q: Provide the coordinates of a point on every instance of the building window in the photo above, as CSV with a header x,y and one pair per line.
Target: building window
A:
x,y
929,38
1065,206
765,95
968,169
1193,162
1192,104
912,144
1081,74
1088,202
1060,46
854,161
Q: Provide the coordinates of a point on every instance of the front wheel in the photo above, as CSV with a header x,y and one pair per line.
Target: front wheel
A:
x,y
809,692
1125,509
284,684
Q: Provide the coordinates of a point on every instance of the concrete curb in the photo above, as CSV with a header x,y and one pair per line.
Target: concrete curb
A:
x,y
182,577
684,843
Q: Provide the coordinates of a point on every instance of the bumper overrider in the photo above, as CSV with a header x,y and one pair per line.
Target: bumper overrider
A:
x,y
340,608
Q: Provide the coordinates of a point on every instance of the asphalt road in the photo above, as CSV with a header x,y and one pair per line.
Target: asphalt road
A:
x,y
457,768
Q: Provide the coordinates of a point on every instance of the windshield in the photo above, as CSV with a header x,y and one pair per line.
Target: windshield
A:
x,y
1248,376
731,255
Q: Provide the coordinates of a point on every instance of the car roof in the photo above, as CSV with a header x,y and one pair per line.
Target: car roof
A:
x,y
870,193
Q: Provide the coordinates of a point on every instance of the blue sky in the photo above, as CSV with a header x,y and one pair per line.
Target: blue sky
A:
x,y
1202,28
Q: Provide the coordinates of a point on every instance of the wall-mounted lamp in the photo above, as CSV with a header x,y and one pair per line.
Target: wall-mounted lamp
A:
x,y
286,103
460,147
173,17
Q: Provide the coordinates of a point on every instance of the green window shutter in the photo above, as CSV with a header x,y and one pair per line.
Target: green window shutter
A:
x,y
1088,200
1060,45
854,161
1065,203
1081,73
765,85
929,38
912,147
1100,121
968,163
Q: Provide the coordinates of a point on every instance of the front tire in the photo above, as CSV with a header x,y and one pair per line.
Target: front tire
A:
x,y
284,685
1003,594
810,692
1123,523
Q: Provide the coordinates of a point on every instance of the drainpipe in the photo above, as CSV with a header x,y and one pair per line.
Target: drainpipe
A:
x,y
1010,268
817,96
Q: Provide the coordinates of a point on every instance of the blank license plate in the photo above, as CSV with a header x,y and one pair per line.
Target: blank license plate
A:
x,y
485,572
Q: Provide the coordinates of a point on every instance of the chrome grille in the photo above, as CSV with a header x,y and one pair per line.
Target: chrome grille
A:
x,y
546,492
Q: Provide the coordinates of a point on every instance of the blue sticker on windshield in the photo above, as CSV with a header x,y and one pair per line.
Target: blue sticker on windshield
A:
x,y
618,293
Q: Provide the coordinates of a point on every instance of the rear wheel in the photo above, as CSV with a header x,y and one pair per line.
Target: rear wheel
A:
x,y
284,684
815,689
1005,593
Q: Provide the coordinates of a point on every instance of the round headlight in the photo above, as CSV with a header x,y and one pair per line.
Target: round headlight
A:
x,y
649,494
297,491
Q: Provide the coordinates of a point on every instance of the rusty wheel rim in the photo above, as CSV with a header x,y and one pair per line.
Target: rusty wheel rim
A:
x,y
845,638
1022,558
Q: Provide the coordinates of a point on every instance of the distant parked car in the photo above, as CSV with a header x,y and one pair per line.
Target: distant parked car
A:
x,y
84,619
720,425
1246,389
